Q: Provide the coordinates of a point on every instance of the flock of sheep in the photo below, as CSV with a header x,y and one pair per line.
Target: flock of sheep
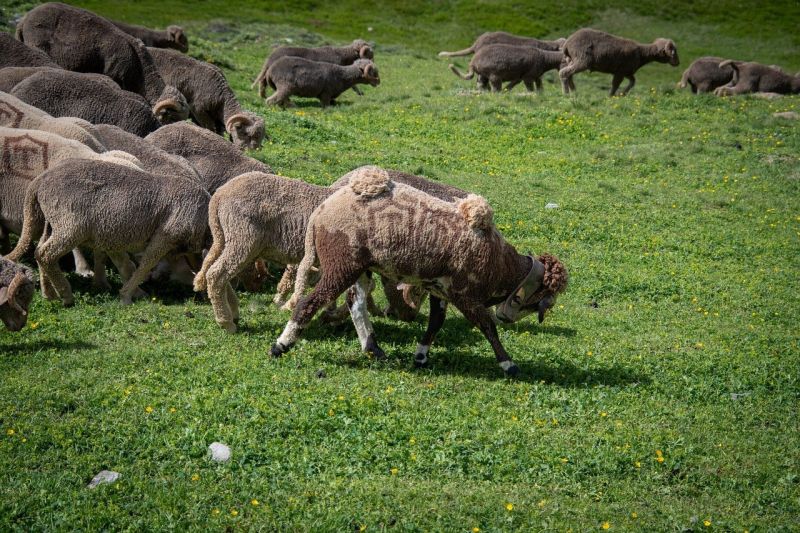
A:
x,y
97,154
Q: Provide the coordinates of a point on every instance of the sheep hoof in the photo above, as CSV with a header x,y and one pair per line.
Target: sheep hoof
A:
x,y
512,371
420,360
126,300
230,327
277,350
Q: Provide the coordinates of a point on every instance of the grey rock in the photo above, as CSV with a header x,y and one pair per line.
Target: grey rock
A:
x,y
219,452
105,476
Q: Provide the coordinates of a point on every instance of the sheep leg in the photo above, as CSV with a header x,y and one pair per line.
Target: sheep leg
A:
x,y
233,302
496,83
615,81
281,98
566,74
435,322
539,86
479,316
357,303
99,280
483,83
218,281
156,249
47,255
631,83
285,285
513,84
81,264
357,90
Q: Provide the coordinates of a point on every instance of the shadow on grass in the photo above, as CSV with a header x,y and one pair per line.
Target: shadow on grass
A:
x,y
8,346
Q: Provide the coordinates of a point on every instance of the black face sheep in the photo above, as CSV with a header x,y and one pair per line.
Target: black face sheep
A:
x,y
62,93
14,53
172,37
211,100
497,63
16,293
501,37
338,55
750,77
704,75
81,41
313,79
593,50
115,209
453,250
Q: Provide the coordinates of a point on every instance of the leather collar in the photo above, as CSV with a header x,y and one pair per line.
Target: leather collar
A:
x,y
509,310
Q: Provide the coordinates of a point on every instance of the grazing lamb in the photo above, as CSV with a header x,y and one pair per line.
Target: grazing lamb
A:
x,y
115,209
16,293
496,63
313,79
501,37
81,41
343,55
750,77
589,49
453,250
62,93
16,54
211,100
14,113
172,37
705,74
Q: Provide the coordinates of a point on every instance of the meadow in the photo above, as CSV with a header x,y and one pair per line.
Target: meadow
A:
x,y
660,394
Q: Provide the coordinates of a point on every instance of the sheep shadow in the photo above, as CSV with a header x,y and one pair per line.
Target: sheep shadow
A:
x,y
31,347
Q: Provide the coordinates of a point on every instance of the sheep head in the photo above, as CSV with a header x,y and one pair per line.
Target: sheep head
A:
x,y
369,72
179,39
246,130
171,106
364,49
537,292
668,53
15,299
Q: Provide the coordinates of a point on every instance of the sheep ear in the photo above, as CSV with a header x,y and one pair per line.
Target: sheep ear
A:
x,y
3,295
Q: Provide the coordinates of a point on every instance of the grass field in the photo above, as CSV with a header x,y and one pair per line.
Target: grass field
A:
x,y
662,393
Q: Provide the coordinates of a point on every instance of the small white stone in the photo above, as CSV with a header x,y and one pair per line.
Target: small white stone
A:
x,y
105,476
551,205
219,452
369,28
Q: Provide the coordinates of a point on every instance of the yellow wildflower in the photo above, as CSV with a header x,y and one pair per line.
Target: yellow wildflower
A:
x,y
606,525
476,530
394,471
254,502
634,515
148,409
215,512
509,507
330,412
707,523
10,432
234,512
195,477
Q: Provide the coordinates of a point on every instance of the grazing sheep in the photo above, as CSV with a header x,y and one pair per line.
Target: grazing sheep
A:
x,y
62,93
343,55
16,293
453,250
211,100
496,63
589,49
750,77
14,113
81,41
313,79
115,209
705,74
501,37
17,54
172,37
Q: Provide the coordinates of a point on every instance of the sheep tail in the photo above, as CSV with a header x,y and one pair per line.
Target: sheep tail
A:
x,y
470,74
731,63
218,244
464,52
32,222
261,81
684,79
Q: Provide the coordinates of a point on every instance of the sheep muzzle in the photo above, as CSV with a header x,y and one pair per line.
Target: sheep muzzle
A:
x,y
511,309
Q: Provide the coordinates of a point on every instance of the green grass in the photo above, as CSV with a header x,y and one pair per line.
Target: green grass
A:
x,y
678,217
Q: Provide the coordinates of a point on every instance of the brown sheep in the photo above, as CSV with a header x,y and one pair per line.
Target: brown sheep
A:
x,y
705,74
172,37
16,293
594,50
314,79
16,54
750,77
496,63
501,37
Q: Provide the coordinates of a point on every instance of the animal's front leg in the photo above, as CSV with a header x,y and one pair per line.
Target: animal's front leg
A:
x,y
435,321
479,316
357,303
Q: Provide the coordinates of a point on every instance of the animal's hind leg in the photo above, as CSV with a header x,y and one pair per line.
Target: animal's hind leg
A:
x,y
81,264
156,249
285,285
496,83
513,84
631,83
281,98
435,321
615,81
47,255
218,277
566,74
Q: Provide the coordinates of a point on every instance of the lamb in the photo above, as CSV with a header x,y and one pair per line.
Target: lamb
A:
x,y
63,93
313,79
501,37
16,54
705,74
81,41
594,50
496,63
16,293
115,209
344,55
172,37
453,250
14,113
211,100
750,77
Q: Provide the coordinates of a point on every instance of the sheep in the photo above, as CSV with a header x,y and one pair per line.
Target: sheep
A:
x,y
453,250
750,77
211,100
87,96
16,293
14,113
14,53
705,74
82,41
172,37
496,63
344,55
116,209
594,50
501,37
326,81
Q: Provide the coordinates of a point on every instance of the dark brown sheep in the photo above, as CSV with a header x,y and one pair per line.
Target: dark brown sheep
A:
x,y
750,77
497,63
705,74
314,79
172,37
594,50
501,37
338,55
16,293
211,100
17,54
81,41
